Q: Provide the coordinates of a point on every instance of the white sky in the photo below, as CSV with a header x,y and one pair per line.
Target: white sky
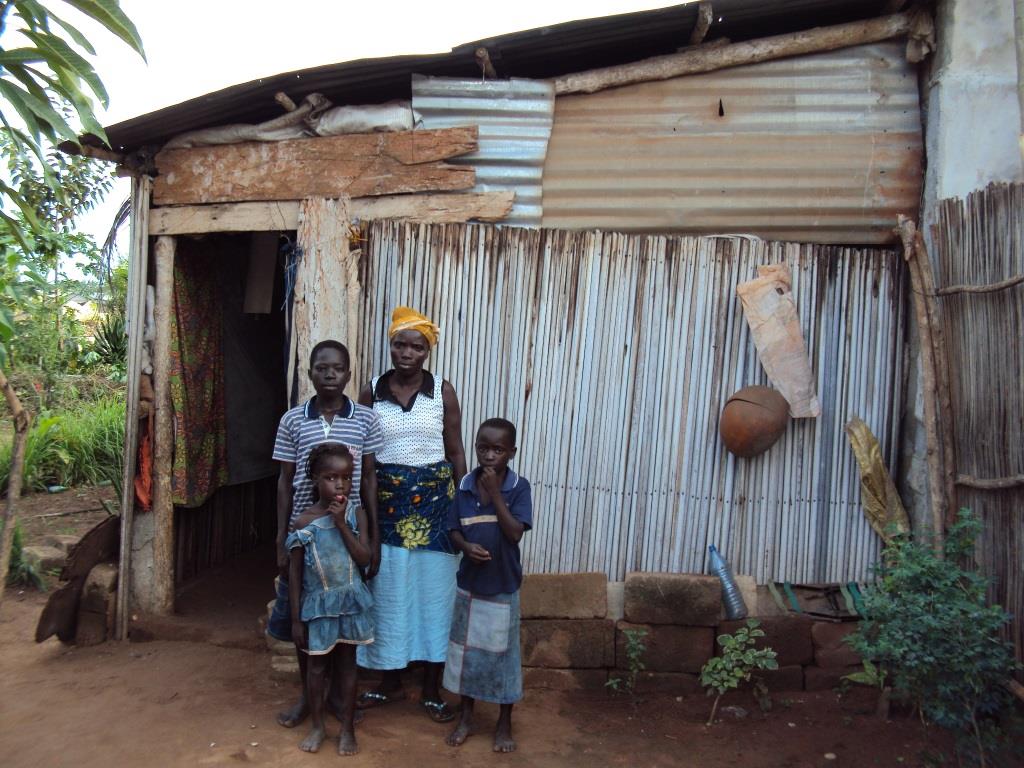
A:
x,y
194,47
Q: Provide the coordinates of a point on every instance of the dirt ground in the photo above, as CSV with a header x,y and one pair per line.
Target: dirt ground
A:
x,y
210,701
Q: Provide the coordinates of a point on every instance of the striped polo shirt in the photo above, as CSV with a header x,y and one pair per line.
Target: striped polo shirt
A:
x,y
303,427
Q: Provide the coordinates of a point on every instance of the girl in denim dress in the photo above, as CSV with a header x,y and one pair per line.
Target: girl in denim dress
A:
x,y
329,602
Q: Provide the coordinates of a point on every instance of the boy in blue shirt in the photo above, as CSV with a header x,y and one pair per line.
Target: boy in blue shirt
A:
x,y
491,512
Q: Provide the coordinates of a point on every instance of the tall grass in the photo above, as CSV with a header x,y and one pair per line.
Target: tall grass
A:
x,y
71,447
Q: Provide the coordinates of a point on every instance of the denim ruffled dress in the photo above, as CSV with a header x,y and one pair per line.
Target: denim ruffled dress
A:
x,y
335,601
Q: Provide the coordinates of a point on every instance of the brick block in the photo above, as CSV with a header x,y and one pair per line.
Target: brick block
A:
x,y
673,598
280,647
98,590
675,683
286,670
830,650
788,636
564,679
564,596
61,541
669,648
44,558
788,678
92,628
568,643
818,679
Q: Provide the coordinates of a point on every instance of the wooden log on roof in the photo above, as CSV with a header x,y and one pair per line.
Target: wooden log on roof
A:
x,y
709,59
438,208
356,165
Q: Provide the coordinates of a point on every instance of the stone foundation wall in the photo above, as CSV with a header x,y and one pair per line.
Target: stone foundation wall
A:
x,y
573,633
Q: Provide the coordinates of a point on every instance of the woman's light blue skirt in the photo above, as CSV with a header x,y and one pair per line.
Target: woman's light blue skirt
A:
x,y
413,598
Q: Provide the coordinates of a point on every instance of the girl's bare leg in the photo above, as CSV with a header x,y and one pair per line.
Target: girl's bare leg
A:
x,y
298,712
344,663
316,682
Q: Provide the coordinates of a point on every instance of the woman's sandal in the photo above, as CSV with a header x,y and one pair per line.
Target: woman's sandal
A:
x,y
372,699
438,711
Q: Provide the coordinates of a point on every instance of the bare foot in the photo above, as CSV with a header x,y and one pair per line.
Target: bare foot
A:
x,y
503,741
462,731
347,744
313,741
292,717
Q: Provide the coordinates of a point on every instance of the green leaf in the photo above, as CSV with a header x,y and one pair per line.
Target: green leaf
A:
x,y
60,54
20,56
74,34
109,14
26,209
81,103
36,102
15,229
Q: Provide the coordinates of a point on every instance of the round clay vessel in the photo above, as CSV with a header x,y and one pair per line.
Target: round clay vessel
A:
x,y
752,420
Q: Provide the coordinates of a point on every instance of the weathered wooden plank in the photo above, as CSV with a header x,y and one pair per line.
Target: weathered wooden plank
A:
x,y
327,289
438,208
357,165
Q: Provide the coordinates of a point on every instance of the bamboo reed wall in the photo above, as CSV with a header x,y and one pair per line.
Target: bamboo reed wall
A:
x,y
980,241
614,354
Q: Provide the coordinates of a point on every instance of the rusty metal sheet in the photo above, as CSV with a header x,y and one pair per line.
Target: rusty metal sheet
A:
x,y
823,149
614,354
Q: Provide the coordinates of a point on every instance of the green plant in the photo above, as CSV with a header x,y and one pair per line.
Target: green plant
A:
x,y
635,650
111,344
22,571
738,660
873,675
72,447
928,623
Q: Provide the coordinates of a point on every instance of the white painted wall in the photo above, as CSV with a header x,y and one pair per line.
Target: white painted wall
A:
x,y
973,118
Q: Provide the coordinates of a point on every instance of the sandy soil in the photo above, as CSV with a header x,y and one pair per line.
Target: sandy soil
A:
x,y
210,701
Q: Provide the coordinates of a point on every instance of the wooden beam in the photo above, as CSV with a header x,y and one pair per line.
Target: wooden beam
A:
x,y
750,52
989,288
355,165
705,15
990,483
135,315
163,437
438,208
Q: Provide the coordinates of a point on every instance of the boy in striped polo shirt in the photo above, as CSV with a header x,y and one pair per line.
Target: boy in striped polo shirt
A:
x,y
327,417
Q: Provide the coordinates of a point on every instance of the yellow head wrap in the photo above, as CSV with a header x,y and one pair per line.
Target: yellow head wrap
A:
x,y
408,319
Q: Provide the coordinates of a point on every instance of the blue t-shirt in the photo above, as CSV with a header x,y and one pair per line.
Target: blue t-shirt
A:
x,y
478,524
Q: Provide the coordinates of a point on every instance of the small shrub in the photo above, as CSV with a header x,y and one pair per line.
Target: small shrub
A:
x,y
22,572
738,660
635,650
928,622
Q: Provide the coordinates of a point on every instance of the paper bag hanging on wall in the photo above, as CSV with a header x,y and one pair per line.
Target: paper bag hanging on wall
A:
x,y
771,313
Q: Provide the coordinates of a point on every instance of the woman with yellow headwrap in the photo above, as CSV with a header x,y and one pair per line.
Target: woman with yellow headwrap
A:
x,y
412,575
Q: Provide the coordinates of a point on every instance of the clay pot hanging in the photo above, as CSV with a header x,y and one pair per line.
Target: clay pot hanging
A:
x,y
752,420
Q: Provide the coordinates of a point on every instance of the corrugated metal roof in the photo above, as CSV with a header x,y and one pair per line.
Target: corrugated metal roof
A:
x,y
823,148
514,118
536,53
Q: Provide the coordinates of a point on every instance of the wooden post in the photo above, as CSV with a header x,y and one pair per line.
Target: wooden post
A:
x,y
135,314
22,421
907,230
163,438
1018,25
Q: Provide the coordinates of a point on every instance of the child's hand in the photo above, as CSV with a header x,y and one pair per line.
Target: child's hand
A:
x,y
337,509
299,634
477,554
489,481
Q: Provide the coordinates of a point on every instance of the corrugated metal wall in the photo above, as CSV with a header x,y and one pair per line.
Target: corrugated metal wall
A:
x,y
514,117
823,149
614,355
978,241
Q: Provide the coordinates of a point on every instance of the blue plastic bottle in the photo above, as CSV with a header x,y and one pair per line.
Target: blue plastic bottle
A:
x,y
735,608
